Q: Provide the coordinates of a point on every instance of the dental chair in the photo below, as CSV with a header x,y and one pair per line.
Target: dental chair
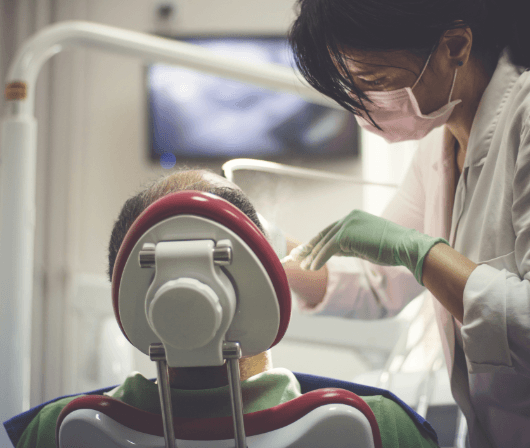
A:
x,y
196,284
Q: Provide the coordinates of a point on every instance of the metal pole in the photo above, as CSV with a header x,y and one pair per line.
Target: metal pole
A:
x,y
428,385
232,353
18,165
158,354
461,431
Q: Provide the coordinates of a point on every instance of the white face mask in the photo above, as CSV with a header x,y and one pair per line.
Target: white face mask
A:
x,y
398,113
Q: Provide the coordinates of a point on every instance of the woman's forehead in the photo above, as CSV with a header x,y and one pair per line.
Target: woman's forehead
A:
x,y
364,62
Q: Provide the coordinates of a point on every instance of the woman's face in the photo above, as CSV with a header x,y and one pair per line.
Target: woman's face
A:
x,y
392,70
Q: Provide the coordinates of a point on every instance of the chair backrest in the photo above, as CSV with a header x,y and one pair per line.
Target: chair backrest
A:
x,y
195,283
323,418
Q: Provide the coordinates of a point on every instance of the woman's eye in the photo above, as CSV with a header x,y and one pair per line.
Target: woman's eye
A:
x,y
376,82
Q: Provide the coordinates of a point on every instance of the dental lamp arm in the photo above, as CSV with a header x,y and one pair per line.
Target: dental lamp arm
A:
x,y
28,60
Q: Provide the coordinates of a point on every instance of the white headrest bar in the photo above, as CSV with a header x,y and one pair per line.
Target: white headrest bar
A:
x,y
190,303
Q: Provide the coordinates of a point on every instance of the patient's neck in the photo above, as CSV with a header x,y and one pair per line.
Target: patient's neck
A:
x,y
211,377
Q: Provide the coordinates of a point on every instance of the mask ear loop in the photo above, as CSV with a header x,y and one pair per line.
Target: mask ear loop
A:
x,y
453,86
423,71
460,63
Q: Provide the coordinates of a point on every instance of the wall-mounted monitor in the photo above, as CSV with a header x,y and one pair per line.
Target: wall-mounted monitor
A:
x,y
198,116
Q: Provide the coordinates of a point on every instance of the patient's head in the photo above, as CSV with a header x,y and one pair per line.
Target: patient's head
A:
x,y
200,180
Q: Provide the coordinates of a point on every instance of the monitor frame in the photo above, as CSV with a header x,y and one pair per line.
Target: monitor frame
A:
x,y
299,158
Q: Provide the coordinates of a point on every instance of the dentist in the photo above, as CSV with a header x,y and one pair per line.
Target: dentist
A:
x,y
460,223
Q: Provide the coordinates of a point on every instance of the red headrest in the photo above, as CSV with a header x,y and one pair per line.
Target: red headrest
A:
x,y
219,210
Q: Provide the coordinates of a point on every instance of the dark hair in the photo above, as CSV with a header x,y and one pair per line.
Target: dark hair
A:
x,y
324,28
180,180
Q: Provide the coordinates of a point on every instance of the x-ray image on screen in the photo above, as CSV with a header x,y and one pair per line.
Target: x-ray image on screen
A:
x,y
193,115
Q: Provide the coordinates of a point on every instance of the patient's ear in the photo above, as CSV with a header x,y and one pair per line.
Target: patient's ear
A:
x,y
253,365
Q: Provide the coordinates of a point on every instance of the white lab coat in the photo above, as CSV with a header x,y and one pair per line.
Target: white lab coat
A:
x,y
490,224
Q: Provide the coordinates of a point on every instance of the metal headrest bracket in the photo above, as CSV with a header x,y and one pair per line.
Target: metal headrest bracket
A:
x,y
158,354
189,305
232,354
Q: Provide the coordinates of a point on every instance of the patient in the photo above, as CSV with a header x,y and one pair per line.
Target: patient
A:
x,y
203,391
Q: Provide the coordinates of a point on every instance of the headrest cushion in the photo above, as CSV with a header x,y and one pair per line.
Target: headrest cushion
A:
x,y
221,211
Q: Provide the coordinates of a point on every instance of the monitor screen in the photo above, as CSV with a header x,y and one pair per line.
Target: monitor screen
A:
x,y
198,116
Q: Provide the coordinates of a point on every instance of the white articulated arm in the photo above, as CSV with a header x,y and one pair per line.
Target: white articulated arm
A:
x,y
56,38
264,166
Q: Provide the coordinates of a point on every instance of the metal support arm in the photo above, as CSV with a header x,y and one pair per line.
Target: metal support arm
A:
x,y
232,353
157,353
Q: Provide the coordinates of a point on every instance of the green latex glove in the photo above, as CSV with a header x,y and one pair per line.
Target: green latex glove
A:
x,y
371,238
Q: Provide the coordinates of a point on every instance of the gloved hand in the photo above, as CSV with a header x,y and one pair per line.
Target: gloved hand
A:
x,y
371,238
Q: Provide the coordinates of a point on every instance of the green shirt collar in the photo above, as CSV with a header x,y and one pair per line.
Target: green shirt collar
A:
x,y
262,391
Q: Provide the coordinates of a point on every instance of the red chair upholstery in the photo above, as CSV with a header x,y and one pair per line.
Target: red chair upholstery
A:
x,y
336,415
